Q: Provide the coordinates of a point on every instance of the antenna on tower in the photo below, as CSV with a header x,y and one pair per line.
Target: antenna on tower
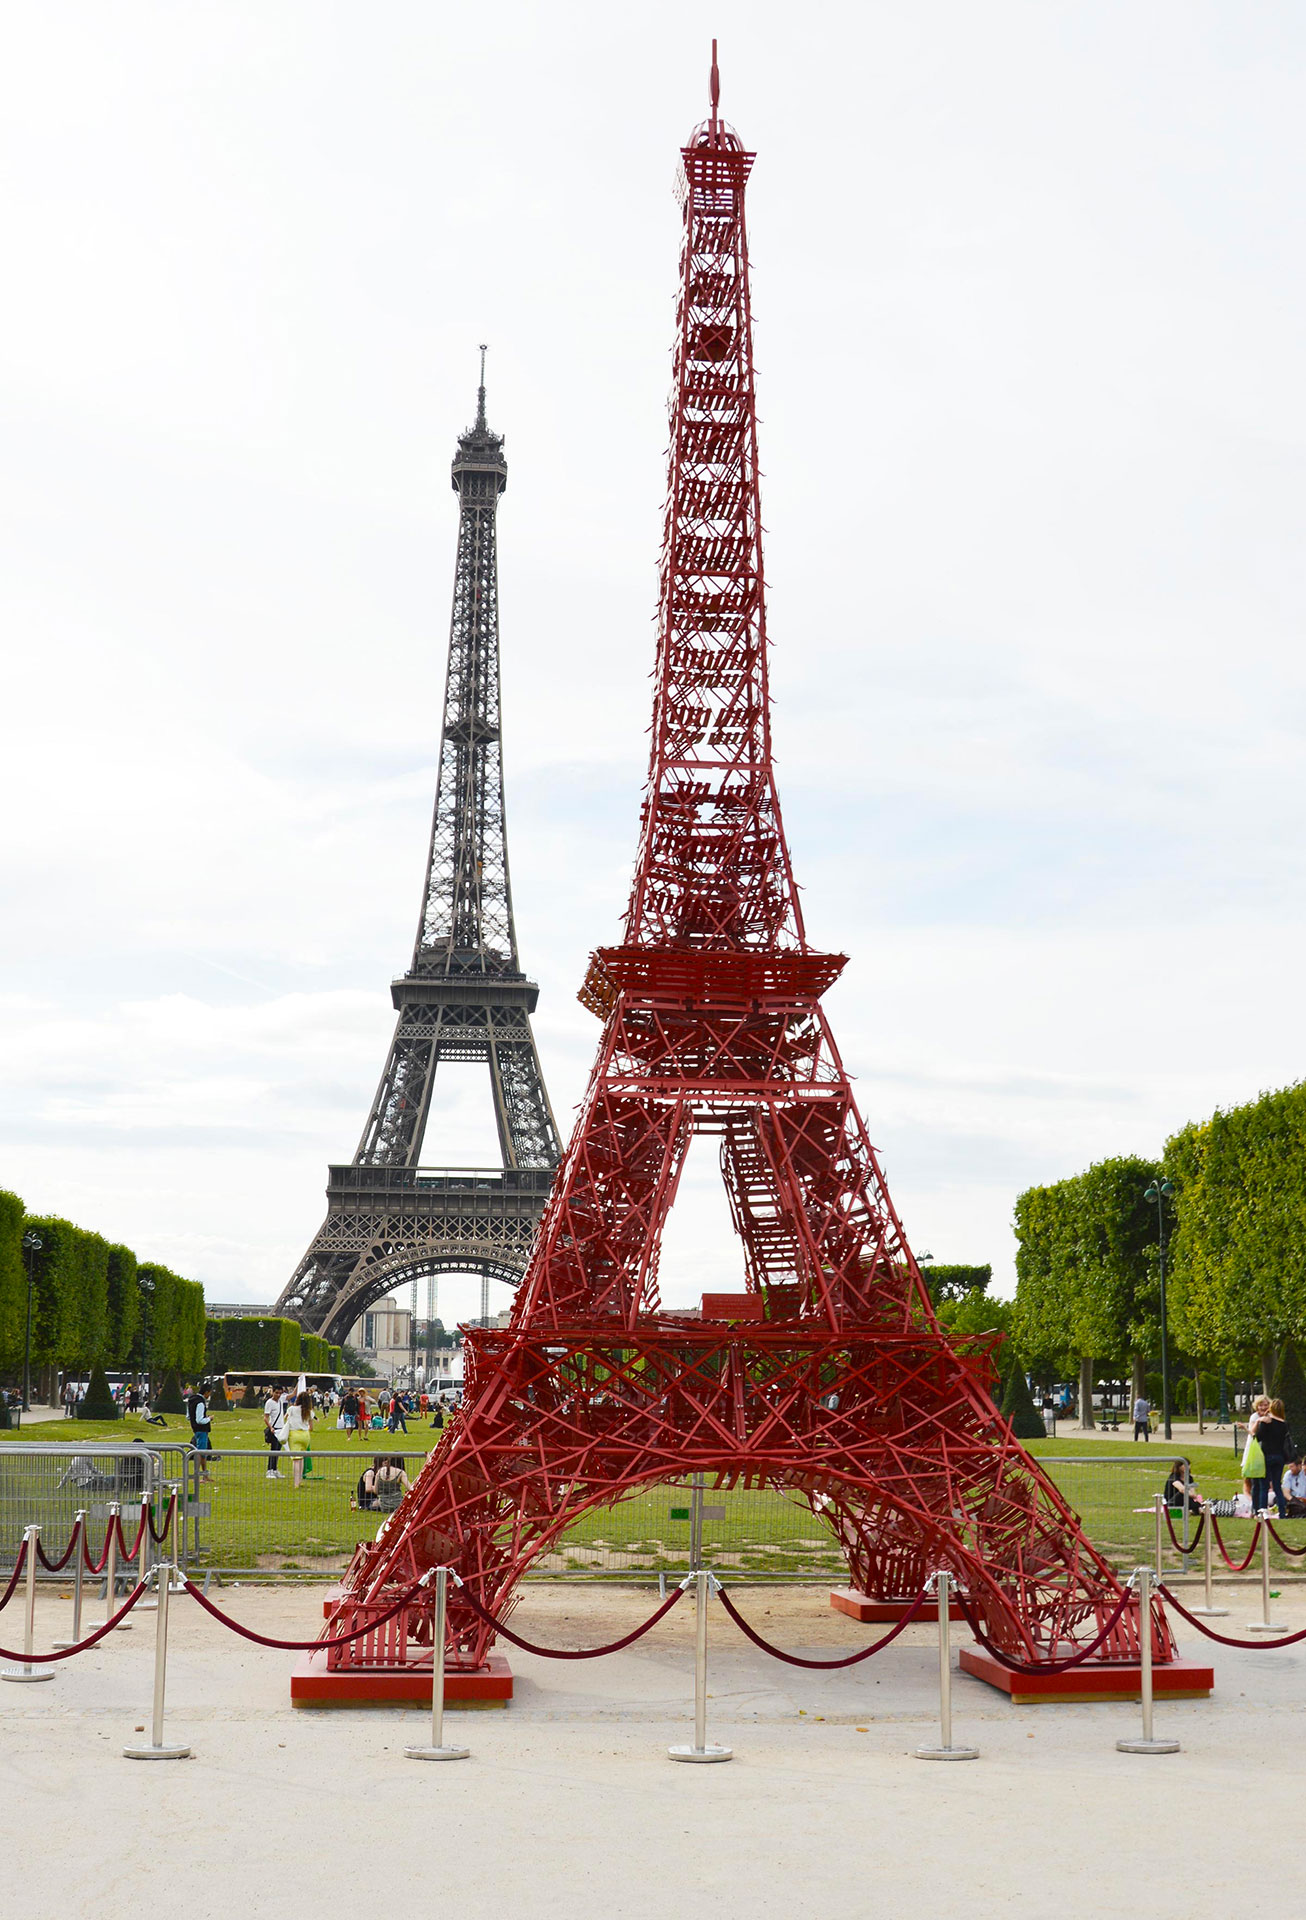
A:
x,y
480,394
715,87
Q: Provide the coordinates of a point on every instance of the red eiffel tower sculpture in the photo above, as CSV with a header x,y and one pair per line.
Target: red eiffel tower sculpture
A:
x,y
829,1377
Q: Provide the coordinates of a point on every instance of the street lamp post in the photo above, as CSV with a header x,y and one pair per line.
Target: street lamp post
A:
x,y
32,1244
1159,1191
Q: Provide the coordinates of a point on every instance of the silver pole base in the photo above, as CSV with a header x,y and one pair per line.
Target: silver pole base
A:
x,y
1211,1613
156,1753
1266,1626
700,1756
1147,1746
947,1753
436,1753
24,1674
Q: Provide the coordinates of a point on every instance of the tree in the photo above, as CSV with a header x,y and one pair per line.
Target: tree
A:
x,y
124,1305
97,1403
1088,1274
1018,1402
13,1280
953,1283
1237,1263
1290,1387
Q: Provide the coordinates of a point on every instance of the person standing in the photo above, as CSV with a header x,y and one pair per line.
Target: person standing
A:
x,y
201,1427
274,1430
1142,1418
299,1430
349,1412
1272,1432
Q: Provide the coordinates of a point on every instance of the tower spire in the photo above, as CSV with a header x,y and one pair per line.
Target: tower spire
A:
x,y
480,397
714,87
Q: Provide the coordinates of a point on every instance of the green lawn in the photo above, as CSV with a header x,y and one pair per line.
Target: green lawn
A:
x,y
256,1522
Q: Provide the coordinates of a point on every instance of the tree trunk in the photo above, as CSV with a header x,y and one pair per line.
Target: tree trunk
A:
x,y
1269,1365
1086,1420
1138,1380
1197,1382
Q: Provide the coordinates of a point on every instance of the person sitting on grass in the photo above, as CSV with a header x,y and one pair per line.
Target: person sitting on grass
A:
x,y
1181,1481
1294,1487
365,1497
390,1483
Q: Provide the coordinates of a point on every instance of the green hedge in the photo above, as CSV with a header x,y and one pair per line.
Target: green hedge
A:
x,y
249,1343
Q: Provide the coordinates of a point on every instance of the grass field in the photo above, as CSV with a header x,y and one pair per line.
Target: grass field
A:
x,y
254,1523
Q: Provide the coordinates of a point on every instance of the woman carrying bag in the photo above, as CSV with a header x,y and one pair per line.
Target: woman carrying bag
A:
x,y
299,1430
1253,1472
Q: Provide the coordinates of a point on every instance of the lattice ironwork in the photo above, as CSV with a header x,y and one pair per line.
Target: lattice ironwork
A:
x,y
464,996
829,1375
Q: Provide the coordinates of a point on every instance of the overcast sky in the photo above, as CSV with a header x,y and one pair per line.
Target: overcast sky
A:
x,y
1028,281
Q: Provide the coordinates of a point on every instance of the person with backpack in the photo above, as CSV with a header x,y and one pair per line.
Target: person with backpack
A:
x,y
274,1430
201,1427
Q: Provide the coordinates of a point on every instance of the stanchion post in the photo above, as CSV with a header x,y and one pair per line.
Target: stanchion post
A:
x,y
147,1559
945,1750
1208,1535
1265,1624
157,1749
79,1571
1148,1744
27,1671
1160,1535
705,1584
437,1749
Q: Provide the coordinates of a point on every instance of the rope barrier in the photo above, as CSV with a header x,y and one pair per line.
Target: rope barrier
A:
x,y
159,1535
1294,1552
796,1660
16,1575
97,1566
1176,1542
572,1653
300,1646
130,1552
1240,1566
66,1653
1226,1640
57,1566
1041,1666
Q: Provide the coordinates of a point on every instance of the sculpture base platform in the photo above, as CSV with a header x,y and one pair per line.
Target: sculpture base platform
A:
x,y
314,1684
1095,1680
860,1606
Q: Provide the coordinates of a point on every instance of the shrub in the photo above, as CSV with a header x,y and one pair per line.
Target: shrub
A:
x,y
1018,1403
97,1403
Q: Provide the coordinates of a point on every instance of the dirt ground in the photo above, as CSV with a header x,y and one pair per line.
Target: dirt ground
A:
x,y
569,1804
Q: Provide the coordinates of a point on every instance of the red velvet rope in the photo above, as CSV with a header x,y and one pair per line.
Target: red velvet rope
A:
x,y
66,1653
1286,1640
1178,1543
298,1646
1042,1666
1240,1566
1295,1552
98,1566
57,1566
16,1575
159,1535
796,1660
126,1552
571,1653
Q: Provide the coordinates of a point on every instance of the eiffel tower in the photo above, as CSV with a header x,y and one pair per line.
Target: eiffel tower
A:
x,y
828,1378
389,1219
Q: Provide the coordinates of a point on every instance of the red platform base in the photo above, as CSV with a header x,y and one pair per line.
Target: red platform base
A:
x,y
860,1606
314,1684
1095,1680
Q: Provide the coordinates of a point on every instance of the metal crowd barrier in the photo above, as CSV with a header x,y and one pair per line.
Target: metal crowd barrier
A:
x,y
237,1522
45,1484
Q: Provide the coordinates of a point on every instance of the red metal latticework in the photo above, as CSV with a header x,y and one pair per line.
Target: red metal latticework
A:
x,y
830,1376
